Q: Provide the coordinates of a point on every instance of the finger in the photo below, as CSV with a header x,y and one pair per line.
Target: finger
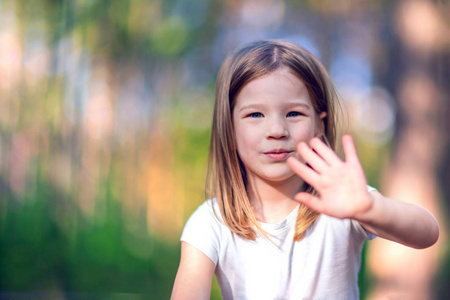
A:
x,y
309,201
312,158
349,148
305,172
324,151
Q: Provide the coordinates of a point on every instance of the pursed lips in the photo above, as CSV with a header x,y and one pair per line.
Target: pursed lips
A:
x,y
278,154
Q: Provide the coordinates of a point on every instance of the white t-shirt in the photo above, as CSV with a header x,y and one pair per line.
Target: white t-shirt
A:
x,y
323,265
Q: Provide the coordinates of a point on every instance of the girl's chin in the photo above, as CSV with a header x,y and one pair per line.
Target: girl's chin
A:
x,y
281,178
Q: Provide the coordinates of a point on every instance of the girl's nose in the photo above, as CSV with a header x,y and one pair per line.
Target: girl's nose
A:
x,y
277,129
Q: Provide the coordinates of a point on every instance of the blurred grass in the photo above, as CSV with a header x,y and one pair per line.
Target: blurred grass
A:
x,y
86,256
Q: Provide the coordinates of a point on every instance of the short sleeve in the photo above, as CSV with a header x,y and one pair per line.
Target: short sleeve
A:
x,y
368,235
371,188
203,231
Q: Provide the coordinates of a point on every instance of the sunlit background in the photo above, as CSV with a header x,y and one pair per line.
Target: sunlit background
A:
x,y
105,114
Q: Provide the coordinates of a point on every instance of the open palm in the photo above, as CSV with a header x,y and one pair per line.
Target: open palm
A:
x,y
341,185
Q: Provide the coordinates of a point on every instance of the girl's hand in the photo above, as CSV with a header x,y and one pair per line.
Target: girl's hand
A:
x,y
342,190
341,185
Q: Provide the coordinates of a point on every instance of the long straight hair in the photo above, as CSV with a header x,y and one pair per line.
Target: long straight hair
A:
x,y
226,175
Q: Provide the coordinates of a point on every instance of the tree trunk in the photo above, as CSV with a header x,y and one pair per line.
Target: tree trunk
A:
x,y
412,172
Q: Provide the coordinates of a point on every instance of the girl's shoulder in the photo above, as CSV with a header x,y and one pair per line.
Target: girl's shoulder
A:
x,y
208,210
206,217
204,230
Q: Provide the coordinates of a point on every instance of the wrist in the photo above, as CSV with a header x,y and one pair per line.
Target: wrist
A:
x,y
367,212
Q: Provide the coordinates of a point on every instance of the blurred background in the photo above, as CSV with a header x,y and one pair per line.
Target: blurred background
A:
x,y
105,114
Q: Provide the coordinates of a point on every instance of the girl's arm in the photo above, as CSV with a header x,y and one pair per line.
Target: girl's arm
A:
x,y
194,276
401,222
342,189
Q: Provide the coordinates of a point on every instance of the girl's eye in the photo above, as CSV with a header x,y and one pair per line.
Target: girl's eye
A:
x,y
256,115
294,114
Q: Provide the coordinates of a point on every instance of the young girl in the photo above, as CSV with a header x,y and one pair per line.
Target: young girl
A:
x,y
288,217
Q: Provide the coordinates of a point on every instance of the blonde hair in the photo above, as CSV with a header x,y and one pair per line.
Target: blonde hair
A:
x,y
226,175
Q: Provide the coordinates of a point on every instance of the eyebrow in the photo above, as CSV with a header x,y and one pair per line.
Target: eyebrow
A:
x,y
296,104
288,105
251,106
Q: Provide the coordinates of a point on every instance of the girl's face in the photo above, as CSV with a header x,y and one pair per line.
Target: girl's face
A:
x,y
271,115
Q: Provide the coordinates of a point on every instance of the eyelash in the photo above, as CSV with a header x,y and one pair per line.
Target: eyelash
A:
x,y
259,115
253,115
297,113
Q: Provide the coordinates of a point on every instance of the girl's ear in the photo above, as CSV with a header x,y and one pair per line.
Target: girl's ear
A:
x,y
320,128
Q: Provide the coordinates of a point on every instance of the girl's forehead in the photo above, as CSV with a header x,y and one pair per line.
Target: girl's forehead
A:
x,y
282,74
277,88
281,82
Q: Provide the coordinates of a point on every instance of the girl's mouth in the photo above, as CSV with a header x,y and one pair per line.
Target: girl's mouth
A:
x,y
278,154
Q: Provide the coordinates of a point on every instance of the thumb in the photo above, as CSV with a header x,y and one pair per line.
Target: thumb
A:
x,y
310,201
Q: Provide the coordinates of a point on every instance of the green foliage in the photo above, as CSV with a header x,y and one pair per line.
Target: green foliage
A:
x,y
93,256
170,37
